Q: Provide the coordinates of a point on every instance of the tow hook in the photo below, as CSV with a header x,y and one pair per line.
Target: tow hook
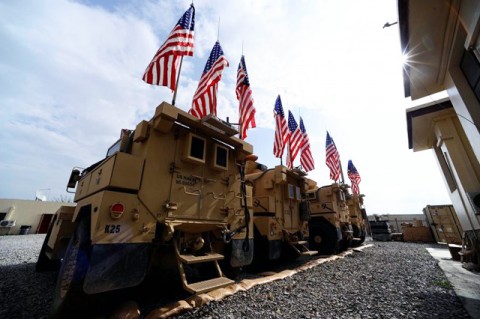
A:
x,y
227,236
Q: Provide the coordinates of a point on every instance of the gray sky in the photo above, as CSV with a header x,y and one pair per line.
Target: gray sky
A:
x,y
70,80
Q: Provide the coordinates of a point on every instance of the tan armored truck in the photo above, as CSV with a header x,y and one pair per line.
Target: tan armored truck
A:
x,y
330,228
280,212
358,218
170,192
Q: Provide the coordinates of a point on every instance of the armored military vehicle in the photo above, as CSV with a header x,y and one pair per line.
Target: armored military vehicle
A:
x,y
381,230
358,218
330,228
280,212
172,191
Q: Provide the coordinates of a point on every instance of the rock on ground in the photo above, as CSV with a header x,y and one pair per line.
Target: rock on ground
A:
x,y
389,280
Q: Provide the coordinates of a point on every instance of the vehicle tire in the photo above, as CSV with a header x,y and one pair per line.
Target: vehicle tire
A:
x,y
357,233
323,237
232,272
228,270
363,235
44,263
344,244
261,253
69,298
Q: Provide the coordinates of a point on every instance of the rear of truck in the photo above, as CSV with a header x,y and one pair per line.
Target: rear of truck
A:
x,y
330,226
171,192
358,218
280,212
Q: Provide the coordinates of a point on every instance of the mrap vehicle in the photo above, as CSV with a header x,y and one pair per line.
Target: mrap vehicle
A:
x,y
358,218
172,191
280,212
330,227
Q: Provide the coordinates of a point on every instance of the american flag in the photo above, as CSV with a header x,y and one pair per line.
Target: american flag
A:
x,y
306,158
354,177
244,96
205,98
281,129
295,140
332,158
162,70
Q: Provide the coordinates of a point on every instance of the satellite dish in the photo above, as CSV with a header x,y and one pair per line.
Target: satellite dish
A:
x,y
41,194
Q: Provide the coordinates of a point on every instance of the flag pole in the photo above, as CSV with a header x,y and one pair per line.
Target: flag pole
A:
x,y
239,119
178,79
178,76
341,171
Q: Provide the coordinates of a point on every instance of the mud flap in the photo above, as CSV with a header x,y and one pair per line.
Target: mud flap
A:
x,y
240,257
274,249
116,266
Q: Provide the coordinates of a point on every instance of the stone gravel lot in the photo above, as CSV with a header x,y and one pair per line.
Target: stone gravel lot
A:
x,y
389,280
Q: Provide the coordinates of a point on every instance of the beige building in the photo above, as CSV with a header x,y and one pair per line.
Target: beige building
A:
x,y
21,216
442,41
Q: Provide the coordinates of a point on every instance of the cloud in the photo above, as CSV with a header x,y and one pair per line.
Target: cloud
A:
x,y
72,84
71,79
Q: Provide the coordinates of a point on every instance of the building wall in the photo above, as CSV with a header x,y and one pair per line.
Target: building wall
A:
x,y
461,169
455,137
26,212
465,150
454,67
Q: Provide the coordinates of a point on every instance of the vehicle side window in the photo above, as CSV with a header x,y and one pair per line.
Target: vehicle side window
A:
x,y
220,159
195,149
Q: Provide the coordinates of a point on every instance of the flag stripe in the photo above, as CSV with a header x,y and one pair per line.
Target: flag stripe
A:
x,y
162,70
281,129
354,177
205,98
295,140
306,158
244,95
332,158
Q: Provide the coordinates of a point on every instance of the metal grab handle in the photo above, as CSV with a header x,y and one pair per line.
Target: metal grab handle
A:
x,y
239,195
220,196
196,192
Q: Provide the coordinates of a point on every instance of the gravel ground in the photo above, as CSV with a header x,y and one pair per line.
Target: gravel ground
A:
x,y
389,280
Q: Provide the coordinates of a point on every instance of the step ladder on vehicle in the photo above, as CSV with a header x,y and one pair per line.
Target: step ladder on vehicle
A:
x,y
205,285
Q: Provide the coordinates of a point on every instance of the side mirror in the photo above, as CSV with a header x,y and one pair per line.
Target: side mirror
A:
x,y
74,178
